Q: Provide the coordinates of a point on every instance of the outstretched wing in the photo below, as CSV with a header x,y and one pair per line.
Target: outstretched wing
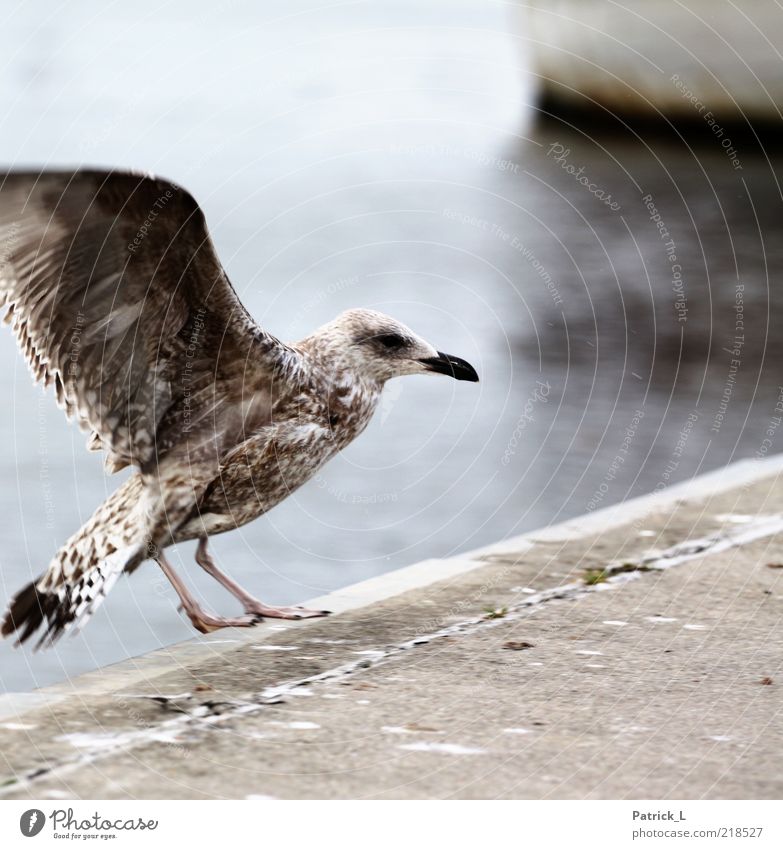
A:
x,y
117,297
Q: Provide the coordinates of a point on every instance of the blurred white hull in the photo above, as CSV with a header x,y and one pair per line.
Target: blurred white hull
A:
x,y
659,56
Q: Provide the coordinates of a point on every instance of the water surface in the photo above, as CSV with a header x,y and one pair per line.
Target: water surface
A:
x,y
389,155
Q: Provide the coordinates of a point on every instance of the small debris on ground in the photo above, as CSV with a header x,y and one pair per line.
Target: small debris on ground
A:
x,y
518,645
495,612
595,576
766,680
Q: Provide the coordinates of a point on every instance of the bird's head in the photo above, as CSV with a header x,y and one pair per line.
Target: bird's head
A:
x,y
378,347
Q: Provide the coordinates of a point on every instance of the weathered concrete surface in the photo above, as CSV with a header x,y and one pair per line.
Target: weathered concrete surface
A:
x,y
662,683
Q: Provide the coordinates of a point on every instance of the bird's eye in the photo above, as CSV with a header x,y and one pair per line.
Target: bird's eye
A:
x,y
391,340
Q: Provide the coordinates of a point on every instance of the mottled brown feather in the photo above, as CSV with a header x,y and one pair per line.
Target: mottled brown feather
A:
x,y
118,299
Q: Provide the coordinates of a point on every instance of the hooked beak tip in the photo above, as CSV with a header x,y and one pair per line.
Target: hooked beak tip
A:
x,y
451,366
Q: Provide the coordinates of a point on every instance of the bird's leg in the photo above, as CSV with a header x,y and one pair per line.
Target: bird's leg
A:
x,y
249,602
202,621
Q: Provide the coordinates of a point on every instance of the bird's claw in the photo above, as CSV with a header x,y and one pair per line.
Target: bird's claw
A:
x,y
296,612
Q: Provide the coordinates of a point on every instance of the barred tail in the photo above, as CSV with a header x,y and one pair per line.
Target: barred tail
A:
x,y
83,571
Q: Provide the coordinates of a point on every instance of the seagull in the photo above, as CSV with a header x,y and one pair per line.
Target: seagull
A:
x,y
118,300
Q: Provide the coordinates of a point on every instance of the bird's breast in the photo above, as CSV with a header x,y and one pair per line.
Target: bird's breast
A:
x,y
269,466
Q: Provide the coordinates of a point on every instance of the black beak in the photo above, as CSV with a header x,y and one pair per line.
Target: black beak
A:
x,y
452,366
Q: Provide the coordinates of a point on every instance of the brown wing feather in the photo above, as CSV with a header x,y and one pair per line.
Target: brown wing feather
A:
x,y
117,297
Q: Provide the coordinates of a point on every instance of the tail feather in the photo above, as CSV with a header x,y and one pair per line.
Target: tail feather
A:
x,y
68,606
27,612
82,572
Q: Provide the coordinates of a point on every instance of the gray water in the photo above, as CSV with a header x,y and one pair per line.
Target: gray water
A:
x,y
390,155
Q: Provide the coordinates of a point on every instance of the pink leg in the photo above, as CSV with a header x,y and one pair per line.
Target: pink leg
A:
x,y
202,621
249,602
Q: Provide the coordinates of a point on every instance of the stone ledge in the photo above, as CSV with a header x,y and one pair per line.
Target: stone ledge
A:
x,y
470,676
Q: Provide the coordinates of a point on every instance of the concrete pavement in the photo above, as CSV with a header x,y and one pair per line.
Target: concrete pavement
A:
x,y
632,654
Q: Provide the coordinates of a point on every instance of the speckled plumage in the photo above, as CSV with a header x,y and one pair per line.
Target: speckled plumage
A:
x,y
117,297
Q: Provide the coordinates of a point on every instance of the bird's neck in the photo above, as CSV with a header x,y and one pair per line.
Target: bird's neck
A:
x,y
350,404
351,396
